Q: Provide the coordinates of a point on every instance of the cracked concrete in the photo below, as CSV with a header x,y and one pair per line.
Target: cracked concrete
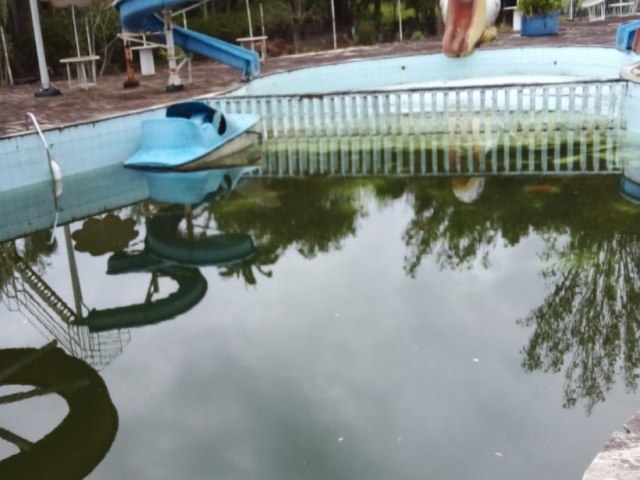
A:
x,y
620,458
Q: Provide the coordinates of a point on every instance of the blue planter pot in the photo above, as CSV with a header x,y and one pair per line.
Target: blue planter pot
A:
x,y
540,24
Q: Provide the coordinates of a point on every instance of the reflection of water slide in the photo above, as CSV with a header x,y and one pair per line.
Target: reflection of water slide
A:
x,y
82,439
28,293
167,254
140,16
163,240
192,287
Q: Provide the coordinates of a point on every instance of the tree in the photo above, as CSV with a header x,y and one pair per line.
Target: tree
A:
x,y
298,14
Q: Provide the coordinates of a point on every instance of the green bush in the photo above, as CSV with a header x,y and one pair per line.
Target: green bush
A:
x,y
535,7
366,33
227,26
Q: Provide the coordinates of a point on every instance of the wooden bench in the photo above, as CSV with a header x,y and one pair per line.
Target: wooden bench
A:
x,y
260,41
82,63
622,8
517,17
147,64
595,9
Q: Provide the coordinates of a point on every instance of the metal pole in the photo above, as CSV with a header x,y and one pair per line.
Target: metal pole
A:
x,y
174,83
249,19
570,9
262,21
75,29
89,42
73,269
333,21
47,90
131,81
400,17
6,56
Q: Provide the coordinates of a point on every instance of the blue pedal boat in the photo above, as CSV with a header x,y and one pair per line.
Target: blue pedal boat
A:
x,y
196,136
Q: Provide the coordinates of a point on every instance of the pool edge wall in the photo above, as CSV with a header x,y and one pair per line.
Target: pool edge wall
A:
x,y
601,63
632,108
91,145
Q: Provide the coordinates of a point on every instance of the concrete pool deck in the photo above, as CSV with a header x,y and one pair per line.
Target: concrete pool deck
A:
x,y
109,98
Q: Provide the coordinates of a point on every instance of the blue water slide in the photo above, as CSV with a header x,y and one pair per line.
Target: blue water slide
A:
x,y
141,16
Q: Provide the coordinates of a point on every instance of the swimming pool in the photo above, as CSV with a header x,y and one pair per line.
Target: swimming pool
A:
x,y
457,304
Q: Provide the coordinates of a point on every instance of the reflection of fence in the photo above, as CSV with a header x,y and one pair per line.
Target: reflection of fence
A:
x,y
25,291
513,108
556,152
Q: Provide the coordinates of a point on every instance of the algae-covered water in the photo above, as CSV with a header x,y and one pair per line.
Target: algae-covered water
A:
x,y
361,327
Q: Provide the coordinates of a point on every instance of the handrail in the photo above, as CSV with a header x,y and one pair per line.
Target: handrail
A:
x,y
37,125
56,175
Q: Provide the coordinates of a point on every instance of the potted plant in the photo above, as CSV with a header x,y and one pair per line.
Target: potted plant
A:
x,y
539,17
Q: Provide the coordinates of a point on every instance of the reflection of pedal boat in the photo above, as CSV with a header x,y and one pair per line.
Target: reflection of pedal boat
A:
x,y
80,442
194,135
173,257
630,185
188,188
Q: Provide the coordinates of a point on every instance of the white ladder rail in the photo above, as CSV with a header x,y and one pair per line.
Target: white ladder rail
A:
x,y
54,168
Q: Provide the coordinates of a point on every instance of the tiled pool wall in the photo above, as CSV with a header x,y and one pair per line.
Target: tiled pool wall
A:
x,y
359,75
30,208
76,149
90,146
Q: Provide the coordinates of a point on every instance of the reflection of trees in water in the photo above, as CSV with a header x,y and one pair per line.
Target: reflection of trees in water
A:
x,y
457,234
589,320
588,323
36,251
312,215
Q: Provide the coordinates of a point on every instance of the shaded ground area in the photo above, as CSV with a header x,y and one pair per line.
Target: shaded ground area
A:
x,y
109,98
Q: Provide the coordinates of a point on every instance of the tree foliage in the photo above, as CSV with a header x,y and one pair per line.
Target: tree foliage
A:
x,y
294,21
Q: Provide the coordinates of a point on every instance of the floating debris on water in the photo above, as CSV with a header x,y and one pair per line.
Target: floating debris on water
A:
x,y
542,188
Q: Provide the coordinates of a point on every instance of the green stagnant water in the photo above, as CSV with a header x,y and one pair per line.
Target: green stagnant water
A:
x,y
368,327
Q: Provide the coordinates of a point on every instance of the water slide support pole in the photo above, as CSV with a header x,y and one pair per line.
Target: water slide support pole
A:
x,y
174,83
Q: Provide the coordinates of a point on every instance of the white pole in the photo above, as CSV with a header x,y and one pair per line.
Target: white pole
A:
x,y
249,19
333,21
42,61
75,29
89,44
262,21
6,56
570,9
73,268
400,17
174,84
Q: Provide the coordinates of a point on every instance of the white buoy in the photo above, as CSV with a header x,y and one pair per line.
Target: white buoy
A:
x,y
57,178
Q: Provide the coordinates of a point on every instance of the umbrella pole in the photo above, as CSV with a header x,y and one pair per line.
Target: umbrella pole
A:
x,y
47,90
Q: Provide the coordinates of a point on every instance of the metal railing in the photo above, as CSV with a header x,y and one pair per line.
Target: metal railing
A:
x,y
491,153
56,174
512,108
